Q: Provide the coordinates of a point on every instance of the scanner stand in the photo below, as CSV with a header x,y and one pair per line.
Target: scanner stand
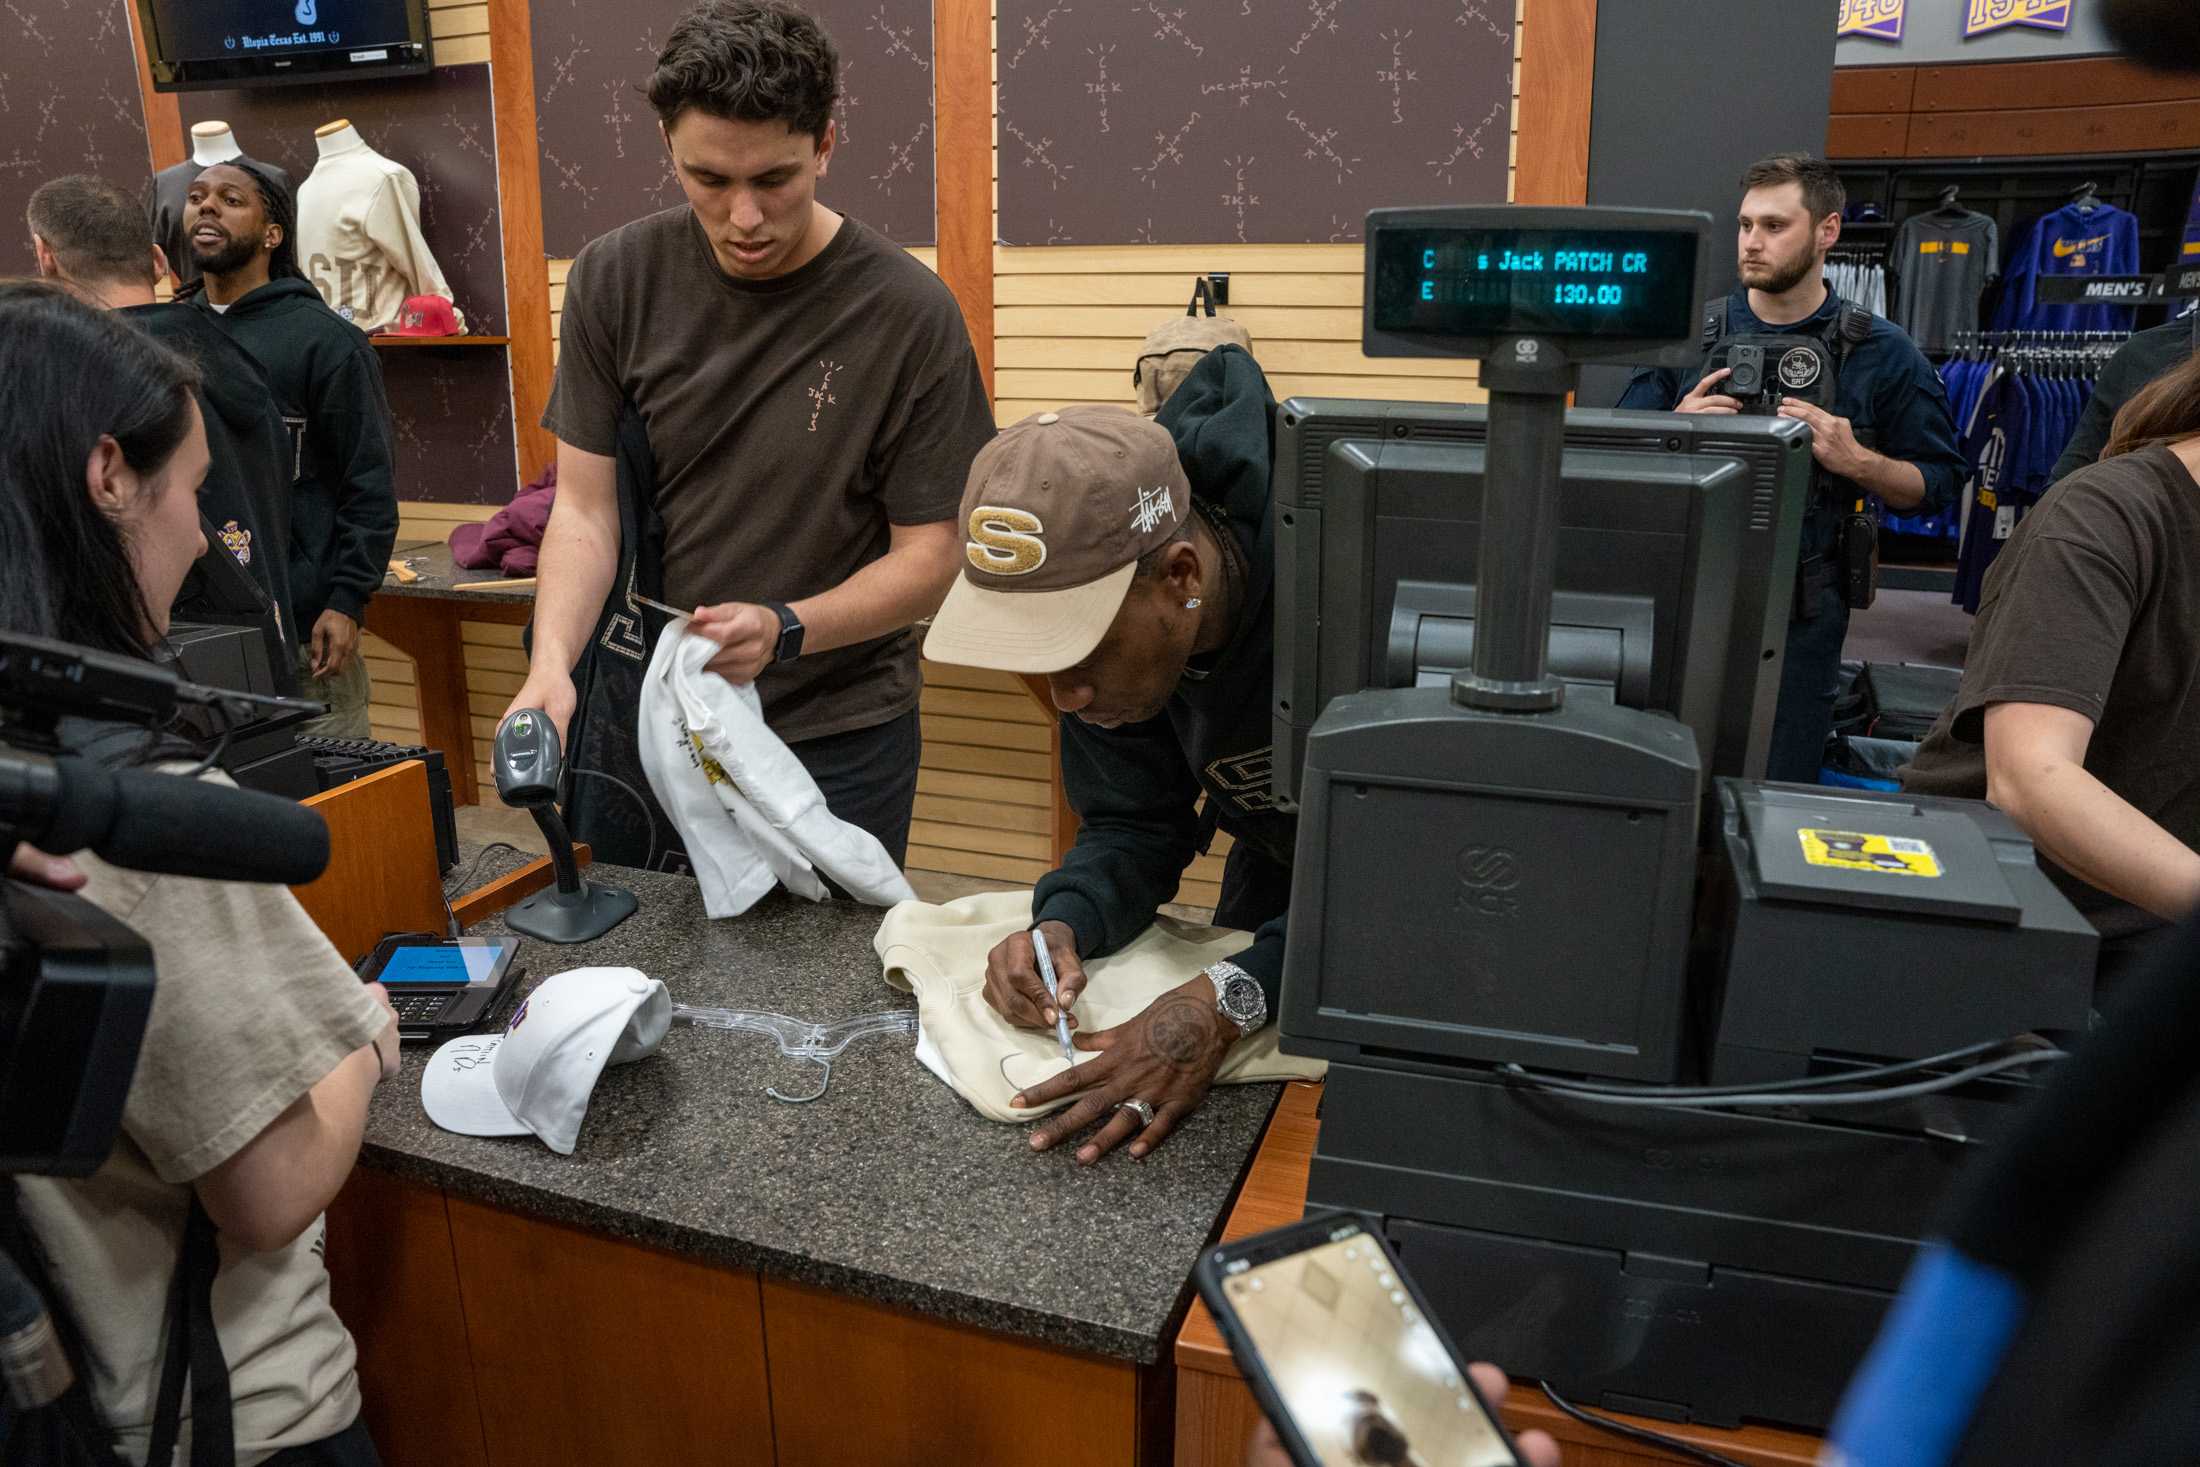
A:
x,y
527,761
574,910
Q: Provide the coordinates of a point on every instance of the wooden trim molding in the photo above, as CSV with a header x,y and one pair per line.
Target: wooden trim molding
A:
x,y
962,108
519,203
163,118
1557,74
514,887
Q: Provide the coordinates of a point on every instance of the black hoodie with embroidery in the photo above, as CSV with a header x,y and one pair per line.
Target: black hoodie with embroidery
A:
x,y
343,510
246,498
1137,788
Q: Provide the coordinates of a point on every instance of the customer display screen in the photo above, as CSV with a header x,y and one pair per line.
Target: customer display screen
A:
x,y
448,966
246,30
1631,284
1361,1372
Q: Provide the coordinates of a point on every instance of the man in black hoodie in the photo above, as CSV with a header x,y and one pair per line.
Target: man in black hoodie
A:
x,y
343,513
92,240
1131,563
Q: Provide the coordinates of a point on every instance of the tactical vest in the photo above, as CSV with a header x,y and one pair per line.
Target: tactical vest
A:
x,y
1801,364
1809,363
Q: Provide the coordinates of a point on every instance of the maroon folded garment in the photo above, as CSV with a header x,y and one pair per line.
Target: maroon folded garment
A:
x,y
511,539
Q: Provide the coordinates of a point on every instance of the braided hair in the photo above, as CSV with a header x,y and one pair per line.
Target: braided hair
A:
x,y
282,211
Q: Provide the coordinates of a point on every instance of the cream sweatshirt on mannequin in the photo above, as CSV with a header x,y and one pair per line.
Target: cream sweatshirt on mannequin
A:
x,y
359,238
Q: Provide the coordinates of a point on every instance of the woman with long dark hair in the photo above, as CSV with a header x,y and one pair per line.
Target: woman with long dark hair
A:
x,y
112,417
251,1089
2079,711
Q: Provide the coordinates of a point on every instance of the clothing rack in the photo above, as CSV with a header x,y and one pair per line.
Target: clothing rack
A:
x,y
2156,187
2016,397
1858,274
2060,353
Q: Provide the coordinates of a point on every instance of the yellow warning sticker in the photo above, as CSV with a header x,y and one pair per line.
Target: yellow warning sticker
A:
x,y
1855,850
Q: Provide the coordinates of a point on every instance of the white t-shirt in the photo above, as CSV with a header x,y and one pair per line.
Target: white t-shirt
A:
x,y
939,952
252,1008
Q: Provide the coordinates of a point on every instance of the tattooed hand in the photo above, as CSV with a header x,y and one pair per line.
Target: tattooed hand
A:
x,y
1167,1057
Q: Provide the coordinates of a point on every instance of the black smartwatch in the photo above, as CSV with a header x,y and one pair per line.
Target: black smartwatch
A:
x,y
789,645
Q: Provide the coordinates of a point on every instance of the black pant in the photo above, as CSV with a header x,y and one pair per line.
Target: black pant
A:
x,y
869,777
351,1447
1810,680
1256,888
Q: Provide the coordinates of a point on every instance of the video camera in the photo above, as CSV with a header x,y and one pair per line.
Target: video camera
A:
x,y
76,985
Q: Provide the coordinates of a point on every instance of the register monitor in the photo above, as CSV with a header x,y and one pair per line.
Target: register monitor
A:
x,y
1677,541
1494,862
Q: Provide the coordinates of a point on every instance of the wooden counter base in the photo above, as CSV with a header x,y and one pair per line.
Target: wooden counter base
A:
x,y
487,1339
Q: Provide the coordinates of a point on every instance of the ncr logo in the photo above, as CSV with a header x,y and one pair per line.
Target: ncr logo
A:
x,y
1487,877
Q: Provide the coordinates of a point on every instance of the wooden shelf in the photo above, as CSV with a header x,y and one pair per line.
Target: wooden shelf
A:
x,y
443,341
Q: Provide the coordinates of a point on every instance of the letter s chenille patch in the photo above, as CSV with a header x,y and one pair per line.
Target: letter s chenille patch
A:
x,y
1005,542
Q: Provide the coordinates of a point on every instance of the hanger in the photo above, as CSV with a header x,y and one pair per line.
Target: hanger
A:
x,y
1948,204
2087,195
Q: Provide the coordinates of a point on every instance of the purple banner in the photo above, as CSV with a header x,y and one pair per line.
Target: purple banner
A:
x,y
1993,15
1879,19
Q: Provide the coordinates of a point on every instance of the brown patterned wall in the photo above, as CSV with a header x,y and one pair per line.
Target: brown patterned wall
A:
x,y
452,406
603,163
68,104
1261,121
453,417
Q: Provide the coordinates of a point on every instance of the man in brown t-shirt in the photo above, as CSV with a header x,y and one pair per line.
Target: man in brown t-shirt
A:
x,y
813,404
2079,711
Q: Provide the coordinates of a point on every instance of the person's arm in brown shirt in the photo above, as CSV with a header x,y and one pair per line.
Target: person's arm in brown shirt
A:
x,y
2036,774
902,586
580,555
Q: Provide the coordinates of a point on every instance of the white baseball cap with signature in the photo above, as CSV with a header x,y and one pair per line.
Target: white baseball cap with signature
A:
x,y
535,1078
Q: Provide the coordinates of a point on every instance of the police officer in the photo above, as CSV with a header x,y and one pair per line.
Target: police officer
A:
x,y
1877,412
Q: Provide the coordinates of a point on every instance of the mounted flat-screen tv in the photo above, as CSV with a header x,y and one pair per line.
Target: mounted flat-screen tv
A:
x,y
201,44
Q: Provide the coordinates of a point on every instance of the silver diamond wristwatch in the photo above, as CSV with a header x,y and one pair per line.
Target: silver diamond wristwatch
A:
x,y
1238,997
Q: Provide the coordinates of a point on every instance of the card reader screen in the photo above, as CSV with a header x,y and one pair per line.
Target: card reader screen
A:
x,y
1364,1377
1617,284
449,967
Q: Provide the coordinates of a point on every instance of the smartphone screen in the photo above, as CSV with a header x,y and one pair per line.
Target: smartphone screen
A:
x,y
1366,1380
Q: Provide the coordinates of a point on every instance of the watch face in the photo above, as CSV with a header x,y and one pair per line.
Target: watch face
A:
x,y
1241,998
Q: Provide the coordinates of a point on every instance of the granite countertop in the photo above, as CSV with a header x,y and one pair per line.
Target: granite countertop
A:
x,y
888,1188
440,575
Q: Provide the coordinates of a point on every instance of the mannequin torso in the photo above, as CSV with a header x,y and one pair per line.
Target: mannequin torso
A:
x,y
213,142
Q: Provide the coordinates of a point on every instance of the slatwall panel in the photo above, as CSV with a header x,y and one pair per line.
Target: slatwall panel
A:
x,y
495,667
395,710
460,31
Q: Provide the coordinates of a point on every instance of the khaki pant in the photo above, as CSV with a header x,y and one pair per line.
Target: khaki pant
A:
x,y
346,694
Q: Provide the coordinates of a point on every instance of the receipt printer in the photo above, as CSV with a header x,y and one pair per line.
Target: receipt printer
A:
x,y
1863,926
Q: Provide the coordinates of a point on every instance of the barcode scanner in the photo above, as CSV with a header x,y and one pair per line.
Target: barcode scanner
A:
x,y
528,764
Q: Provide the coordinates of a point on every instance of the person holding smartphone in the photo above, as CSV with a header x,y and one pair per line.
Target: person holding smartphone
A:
x,y
1347,1361
1265,1449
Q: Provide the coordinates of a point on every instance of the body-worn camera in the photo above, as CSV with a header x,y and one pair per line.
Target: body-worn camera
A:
x,y
1745,381
1761,372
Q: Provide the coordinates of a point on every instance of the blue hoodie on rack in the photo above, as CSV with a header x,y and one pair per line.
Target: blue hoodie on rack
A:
x,y
2077,239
